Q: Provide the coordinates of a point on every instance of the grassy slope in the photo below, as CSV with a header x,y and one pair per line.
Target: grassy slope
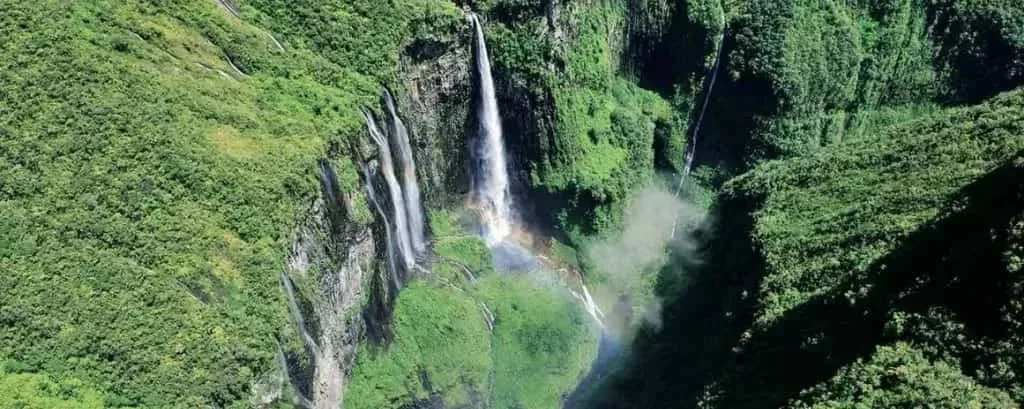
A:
x,y
147,188
444,351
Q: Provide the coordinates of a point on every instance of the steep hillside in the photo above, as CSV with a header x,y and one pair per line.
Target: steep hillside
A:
x,y
893,251
904,232
189,213
155,160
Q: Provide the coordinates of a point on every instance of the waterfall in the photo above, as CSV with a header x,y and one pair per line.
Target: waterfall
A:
x,y
700,116
588,302
298,399
399,210
590,306
399,136
392,264
328,378
692,146
293,306
491,188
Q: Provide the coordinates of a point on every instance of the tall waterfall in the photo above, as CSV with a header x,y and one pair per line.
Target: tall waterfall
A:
x,y
392,265
399,136
692,146
700,116
491,182
399,210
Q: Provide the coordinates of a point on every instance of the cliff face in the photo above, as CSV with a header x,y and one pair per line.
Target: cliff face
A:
x,y
435,76
159,169
334,263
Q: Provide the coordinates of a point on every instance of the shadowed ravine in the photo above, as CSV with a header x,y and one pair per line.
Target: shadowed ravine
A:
x,y
512,204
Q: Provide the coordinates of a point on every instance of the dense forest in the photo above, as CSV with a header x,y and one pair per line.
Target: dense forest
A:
x,y
718,204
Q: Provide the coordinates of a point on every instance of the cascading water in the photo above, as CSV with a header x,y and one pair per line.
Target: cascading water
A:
x,y
399,136
300,322
401,230
700,117
692,146
491,181
372,196
297,399
328,378
589,305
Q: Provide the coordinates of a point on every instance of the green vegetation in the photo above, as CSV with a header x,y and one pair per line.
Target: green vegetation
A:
x,y
832,265
872,228
826,218
39,391
441,347
863,160
981,46
456,248
445,349
148,188
902,377
804,74
600,150
542,342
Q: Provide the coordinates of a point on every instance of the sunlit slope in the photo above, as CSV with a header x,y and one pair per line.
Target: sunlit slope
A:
x,y
153,158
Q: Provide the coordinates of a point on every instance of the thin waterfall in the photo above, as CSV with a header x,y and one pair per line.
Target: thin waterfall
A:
x,y
589,305
298,399
328,379
700,116
491,188
293,306
588,302
399,136
392,264
692,146
401,230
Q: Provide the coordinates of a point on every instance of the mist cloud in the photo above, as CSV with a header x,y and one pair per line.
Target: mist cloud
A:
x,y
630,259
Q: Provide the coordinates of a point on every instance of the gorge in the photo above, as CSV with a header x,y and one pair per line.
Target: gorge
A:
x,y
512,204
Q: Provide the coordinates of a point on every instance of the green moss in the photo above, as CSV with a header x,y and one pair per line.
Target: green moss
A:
x,y
424,358
453,244
564,253
542,342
